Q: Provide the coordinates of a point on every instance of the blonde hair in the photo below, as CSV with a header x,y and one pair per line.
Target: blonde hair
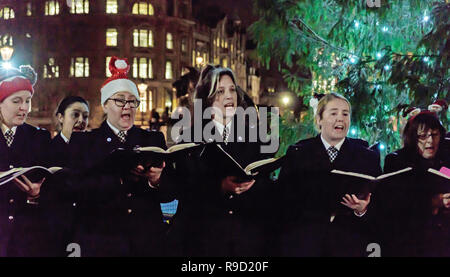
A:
x,y
323,103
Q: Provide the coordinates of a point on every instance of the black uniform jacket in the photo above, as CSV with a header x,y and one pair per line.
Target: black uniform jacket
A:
x,y
211,222
315,223
20,223
116,214
404,218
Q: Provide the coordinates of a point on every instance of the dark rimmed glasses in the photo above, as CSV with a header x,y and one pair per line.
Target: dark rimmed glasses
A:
x,y
122,102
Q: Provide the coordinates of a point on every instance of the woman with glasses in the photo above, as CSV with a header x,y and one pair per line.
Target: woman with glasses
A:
x,y
21,145
413,214
220,214
118,213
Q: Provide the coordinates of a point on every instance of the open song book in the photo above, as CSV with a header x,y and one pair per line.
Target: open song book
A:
x,y
361,184
34,173
123,160
231,167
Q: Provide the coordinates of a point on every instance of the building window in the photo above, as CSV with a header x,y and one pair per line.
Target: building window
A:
x,y
108,73
6,40
224,62
169,72
111,37
169,41
51,7
142,38
80,7
7,13
143,8
142,68
51,70
29,9
79,67
112,6
144,101
183,45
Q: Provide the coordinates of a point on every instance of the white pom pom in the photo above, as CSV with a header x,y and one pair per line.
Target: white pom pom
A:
x,y
435,108
414,112
313,102
120,64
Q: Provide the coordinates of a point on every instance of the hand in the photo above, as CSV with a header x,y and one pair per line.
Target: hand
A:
x,y
30,188
357,205
229,184
153,174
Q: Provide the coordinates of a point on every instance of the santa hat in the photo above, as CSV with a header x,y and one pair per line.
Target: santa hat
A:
x,y
119,80
438,106
433,109
13,80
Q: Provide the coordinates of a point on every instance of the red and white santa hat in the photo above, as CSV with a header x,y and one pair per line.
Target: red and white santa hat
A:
x,y
438,106
13,80
434,109
119,81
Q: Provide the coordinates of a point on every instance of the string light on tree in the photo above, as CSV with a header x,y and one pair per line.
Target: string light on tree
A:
x,y
426,18
353,59
353,131
379,55
356,24
426,59
385,29
387,67
382,146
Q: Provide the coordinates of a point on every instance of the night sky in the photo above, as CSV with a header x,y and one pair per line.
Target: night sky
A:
x,y
209,10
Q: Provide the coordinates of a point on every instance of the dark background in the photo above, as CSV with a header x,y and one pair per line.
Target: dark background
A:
x,y
210,11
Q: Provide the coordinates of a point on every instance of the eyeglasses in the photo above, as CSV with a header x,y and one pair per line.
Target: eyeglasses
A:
x,y
426,136
122,103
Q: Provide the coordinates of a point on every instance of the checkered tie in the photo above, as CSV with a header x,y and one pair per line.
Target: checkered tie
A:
x,y
332,152
226,133
122,136
9,136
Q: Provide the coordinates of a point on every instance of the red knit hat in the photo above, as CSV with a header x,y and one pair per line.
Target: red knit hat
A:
x,y
119,80
14,80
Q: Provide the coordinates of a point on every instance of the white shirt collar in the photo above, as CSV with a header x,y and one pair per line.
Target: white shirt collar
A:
x,y
220,126
115,130
327,145
66,140
5,128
